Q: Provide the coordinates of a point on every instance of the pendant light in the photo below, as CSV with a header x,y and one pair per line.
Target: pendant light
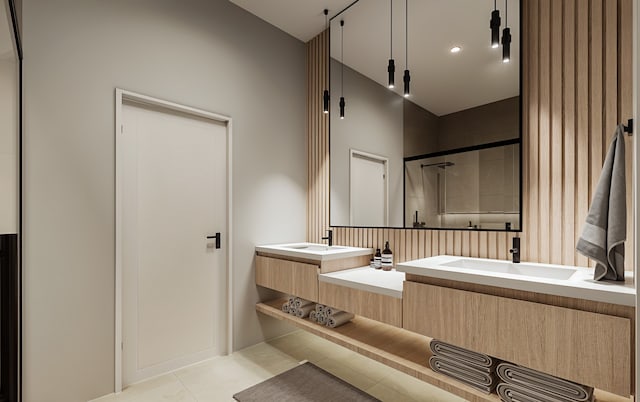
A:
x,y
342,104
506,37
407,76
494,24
325,95
392,66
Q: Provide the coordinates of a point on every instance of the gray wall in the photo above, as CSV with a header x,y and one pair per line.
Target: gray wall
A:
x,y
496,121
420,130
207,54
9,118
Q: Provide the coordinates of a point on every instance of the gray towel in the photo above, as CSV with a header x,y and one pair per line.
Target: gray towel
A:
x,y
516,393
605,229
480,379
532,382
475,359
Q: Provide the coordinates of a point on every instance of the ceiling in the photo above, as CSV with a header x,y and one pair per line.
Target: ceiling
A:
x,y
302,19
441,82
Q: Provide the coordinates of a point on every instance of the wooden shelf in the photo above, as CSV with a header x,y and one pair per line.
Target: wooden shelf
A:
x,y
403,350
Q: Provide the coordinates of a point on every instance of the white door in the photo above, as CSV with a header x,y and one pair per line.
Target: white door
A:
x,y
368,189
174,194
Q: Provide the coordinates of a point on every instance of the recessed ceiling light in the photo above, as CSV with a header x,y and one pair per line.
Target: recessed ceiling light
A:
x,y
455,49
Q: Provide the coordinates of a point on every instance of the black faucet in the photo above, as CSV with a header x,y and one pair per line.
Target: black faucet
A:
x,y
515,250
329,238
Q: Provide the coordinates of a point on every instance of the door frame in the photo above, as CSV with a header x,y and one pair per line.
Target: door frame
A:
x,y
378,158
122,96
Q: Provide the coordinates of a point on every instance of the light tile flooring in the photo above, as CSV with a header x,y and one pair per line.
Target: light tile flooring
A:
x,y
216,380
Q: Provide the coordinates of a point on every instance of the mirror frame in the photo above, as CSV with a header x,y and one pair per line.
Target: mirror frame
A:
x,y
518,140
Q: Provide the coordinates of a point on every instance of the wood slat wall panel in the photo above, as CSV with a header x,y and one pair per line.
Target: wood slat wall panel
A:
x,y
577,75
317,139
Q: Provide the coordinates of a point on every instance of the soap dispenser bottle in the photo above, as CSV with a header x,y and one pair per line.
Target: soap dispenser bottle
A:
x,y
387,257
377,259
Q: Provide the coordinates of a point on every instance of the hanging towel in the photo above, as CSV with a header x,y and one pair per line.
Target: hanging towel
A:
x,y
605,229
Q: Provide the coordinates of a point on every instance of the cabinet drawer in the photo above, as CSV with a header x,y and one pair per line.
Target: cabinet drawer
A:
x,y
589,348
378,307
291,277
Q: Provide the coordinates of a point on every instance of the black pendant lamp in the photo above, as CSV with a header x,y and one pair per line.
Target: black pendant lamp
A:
x,y
325,95
407,77
506,37
341,104
494,24
391,69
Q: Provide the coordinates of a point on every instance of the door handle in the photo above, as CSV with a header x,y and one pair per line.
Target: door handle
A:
x,y
217,237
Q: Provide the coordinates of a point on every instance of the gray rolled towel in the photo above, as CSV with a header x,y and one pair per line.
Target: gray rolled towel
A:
x,y
605,229
533,381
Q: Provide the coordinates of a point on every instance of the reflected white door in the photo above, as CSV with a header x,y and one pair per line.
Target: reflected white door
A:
x,y
368,189
174,192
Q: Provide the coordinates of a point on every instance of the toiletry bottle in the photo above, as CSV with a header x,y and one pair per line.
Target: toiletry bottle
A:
x,y
372,263
377,259
387,257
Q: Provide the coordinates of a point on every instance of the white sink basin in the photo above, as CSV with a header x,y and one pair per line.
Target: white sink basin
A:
x,y
313,251
312,247
558,280
507,267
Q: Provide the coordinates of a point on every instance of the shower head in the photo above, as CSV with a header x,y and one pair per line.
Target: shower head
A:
x,y
441,165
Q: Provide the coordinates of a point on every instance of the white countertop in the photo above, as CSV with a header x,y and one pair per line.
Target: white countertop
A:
x,y
388,283
314,251
579,285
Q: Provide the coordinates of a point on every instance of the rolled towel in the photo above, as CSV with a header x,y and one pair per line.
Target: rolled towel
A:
x,y
449,351
312,315
292,310
301,302
304,311
480,379
338,319
320,308
321,319
517,393
331,311
285,307
553,387
291,300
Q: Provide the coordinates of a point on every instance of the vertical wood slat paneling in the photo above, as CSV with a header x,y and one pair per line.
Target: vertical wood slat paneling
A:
x,y
569,133
577,74
317,139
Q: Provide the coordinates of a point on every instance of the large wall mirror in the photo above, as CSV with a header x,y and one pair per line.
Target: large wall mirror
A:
x,y
448,156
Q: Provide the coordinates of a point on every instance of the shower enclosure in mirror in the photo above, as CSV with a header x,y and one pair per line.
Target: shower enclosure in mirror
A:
x,y
461,105
471,188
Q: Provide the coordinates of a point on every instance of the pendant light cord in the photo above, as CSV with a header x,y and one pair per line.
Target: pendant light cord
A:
x,y
506,14
326,27
406,34
391,29
342,57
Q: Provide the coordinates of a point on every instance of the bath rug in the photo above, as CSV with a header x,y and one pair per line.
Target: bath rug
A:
x,y
305,383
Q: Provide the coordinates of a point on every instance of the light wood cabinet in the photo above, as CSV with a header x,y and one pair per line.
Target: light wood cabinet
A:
x,y
290,277
581,346
375,306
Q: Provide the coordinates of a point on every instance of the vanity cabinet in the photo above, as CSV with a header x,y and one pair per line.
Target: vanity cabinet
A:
x,y
290,277
287,270
368,304
583,346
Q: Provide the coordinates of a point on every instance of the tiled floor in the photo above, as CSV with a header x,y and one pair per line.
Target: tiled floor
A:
x,y
216,380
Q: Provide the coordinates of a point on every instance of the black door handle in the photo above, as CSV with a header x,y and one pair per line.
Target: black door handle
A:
x,y
217,237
